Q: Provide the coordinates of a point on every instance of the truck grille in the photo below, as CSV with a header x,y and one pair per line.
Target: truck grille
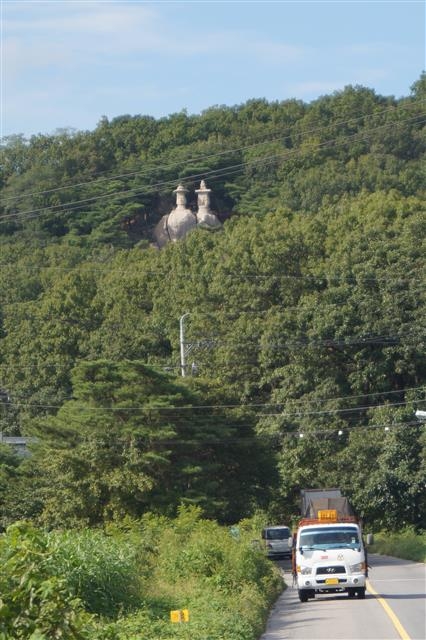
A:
x,y
329,571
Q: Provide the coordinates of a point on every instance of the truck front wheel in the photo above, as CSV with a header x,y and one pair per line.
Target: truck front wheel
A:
x,y
303,595
361,592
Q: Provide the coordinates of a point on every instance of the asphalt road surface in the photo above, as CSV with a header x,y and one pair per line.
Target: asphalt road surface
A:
x,y
394,607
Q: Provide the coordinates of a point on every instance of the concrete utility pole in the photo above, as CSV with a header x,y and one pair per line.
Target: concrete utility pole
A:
x,y
4,400
182,344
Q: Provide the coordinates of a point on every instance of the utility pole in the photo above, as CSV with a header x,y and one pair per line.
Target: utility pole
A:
x,y
182,344
4,400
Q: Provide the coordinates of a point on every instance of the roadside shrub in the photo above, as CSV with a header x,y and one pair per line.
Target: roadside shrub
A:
x,y
102,571
406,544
213,616
122,585
227,584
34,604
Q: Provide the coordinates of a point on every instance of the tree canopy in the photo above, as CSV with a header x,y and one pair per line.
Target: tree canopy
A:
x,y
306,323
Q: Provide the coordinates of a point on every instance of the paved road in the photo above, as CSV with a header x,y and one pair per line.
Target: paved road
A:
x,y
402,584
399,584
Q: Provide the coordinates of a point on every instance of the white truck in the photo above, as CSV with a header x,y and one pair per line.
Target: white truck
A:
x,y
329,555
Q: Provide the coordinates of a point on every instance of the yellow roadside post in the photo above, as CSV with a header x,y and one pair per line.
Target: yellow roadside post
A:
x,y
179,615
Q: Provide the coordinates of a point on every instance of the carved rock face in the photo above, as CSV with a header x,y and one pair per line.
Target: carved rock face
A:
x,y
208,220
180,221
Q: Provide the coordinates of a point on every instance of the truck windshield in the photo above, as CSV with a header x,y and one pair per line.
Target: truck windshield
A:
x,y
330,538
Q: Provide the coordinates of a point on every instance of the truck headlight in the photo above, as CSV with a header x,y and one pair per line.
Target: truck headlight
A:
x,y
305,571
359,567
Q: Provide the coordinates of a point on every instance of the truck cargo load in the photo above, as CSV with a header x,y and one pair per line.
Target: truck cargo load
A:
x,y
315,500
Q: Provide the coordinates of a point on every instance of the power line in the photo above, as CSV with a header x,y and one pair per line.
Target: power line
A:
x,y
83,268
211,175
203,158
258,343
148,409
252,405
301,414
305,434
309,342
273,438
261,344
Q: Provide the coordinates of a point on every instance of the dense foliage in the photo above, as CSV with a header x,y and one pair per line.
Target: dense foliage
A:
x,y
307,314
124,584
407,544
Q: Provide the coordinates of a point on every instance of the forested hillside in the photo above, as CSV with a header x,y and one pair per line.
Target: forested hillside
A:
x,y
306,322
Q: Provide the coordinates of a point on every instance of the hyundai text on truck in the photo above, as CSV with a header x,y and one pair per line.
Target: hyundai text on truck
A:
x,y
329,555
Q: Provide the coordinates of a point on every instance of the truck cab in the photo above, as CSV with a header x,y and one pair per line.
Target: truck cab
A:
x,y
329,556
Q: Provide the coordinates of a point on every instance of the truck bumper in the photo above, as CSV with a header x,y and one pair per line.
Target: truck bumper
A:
x,y
329,585
278,555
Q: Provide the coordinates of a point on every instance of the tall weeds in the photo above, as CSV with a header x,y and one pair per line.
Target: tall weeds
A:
x,y
122,584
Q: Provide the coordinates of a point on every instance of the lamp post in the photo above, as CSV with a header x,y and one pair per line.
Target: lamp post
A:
x,y
182,344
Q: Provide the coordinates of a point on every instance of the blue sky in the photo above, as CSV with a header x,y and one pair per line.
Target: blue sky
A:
x,y
65,64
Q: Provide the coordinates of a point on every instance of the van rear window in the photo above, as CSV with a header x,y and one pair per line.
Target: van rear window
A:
x,y
277,534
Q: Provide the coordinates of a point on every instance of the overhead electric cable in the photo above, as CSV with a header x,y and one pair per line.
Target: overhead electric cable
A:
x,y
200,439
213,174
218,154
117,409
304,400
83,268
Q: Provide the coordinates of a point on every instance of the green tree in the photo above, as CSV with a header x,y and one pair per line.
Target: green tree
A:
x,y
132,440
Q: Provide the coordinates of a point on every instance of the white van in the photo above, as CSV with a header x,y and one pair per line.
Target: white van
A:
x,y
276,540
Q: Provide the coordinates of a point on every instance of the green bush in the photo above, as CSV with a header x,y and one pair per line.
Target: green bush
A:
x,y
122,585
214,615
407,544
34,604
102,571
226,584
